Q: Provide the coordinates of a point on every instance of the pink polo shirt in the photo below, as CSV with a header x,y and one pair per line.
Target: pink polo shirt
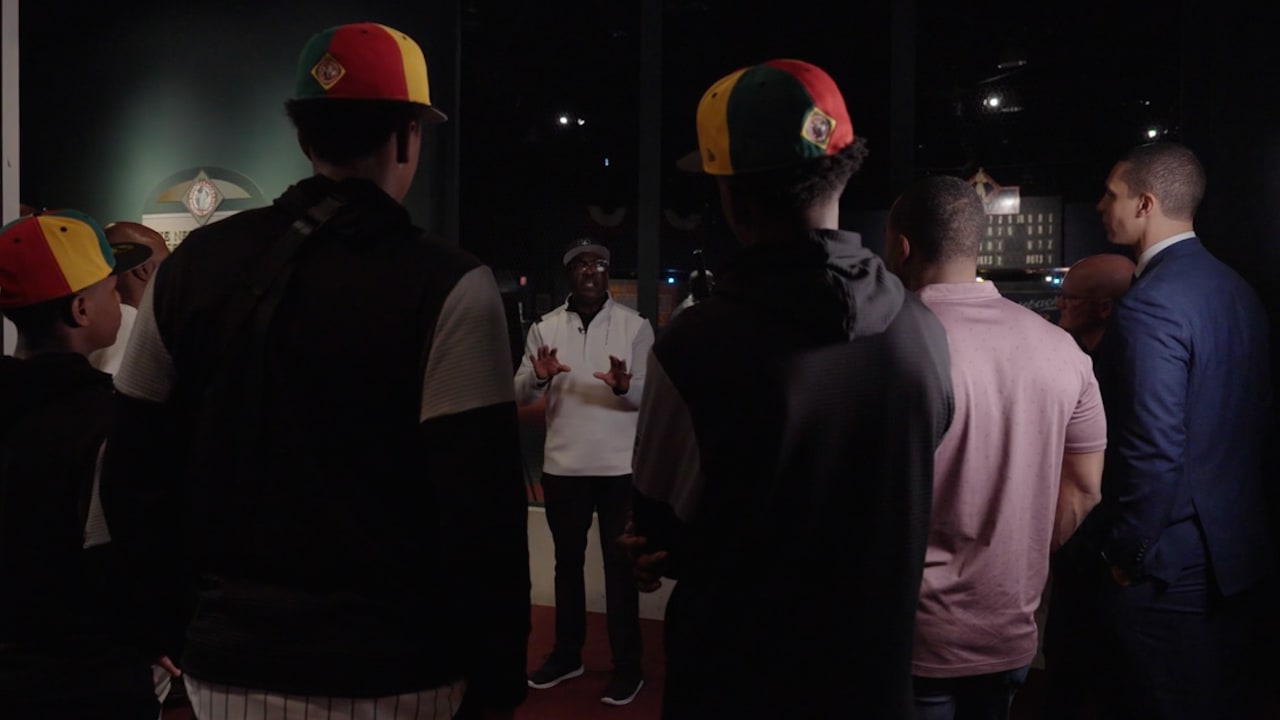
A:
x,y
1025,394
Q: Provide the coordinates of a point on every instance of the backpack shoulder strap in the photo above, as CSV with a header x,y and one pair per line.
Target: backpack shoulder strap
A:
x,y
246,318
263,287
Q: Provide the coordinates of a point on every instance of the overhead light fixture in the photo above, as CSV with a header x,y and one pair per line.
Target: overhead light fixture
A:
x,y
1002,103
1011,58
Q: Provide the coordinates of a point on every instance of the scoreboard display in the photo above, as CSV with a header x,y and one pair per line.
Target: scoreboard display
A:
x,y
1028,238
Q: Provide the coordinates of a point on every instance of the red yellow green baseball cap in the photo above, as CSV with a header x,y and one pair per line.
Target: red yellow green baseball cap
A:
x,y
364,61
50,255
769,116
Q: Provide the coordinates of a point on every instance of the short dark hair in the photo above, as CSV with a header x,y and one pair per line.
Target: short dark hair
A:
x,y
942,217
341,131
801,186
39,323
1169,171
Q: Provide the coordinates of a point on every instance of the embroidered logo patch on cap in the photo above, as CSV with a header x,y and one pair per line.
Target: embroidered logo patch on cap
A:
x,y
328,71
768,116
817,128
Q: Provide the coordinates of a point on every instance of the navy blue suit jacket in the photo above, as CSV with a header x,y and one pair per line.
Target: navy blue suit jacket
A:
x,y
1184,373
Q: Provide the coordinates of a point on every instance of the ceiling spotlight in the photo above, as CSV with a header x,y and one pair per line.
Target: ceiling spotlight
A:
x,y
1154,132
992,101
1011,58
564,119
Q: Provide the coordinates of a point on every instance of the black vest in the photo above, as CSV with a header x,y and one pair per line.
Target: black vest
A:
x,y
312,519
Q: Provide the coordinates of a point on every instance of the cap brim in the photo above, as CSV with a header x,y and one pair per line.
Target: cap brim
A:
x,y
434,116
691,163
129,256
574,252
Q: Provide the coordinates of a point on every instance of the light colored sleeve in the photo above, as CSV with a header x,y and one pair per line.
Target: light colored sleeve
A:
x,y
469,362
108,359
527,388
1087,429
667,463
96,531
470,453
146,373
10,336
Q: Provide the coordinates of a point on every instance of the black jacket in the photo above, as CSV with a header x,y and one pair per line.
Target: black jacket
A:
x,y
62,630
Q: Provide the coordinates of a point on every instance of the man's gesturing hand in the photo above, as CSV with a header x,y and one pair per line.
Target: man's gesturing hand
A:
x,y
617,378
546,365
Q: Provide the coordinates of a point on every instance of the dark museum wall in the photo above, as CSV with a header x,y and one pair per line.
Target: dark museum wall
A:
x,y
115,102
1232,120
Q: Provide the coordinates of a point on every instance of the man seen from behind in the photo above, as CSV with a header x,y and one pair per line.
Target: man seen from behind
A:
x,y
785,445
1015,475
339,466
1181,547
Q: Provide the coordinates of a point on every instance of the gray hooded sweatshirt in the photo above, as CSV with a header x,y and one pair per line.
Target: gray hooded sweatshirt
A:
x,y
784,461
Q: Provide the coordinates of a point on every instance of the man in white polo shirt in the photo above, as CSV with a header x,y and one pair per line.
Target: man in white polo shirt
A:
x,y
587,357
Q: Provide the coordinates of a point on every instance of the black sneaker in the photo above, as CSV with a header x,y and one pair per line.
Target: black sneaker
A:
x,y
622,688
554,671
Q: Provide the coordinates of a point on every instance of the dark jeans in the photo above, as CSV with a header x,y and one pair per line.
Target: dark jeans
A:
x,y
570,502
974,697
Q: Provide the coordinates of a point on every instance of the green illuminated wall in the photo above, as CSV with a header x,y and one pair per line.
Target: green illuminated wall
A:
x,y
118,96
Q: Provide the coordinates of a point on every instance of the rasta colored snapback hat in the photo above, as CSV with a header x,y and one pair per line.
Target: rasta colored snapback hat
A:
x,y
769,116
364,61
50,255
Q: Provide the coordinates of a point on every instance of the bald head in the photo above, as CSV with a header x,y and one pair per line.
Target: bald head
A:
x,y
1100,276
132,283
132,232
1088,291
